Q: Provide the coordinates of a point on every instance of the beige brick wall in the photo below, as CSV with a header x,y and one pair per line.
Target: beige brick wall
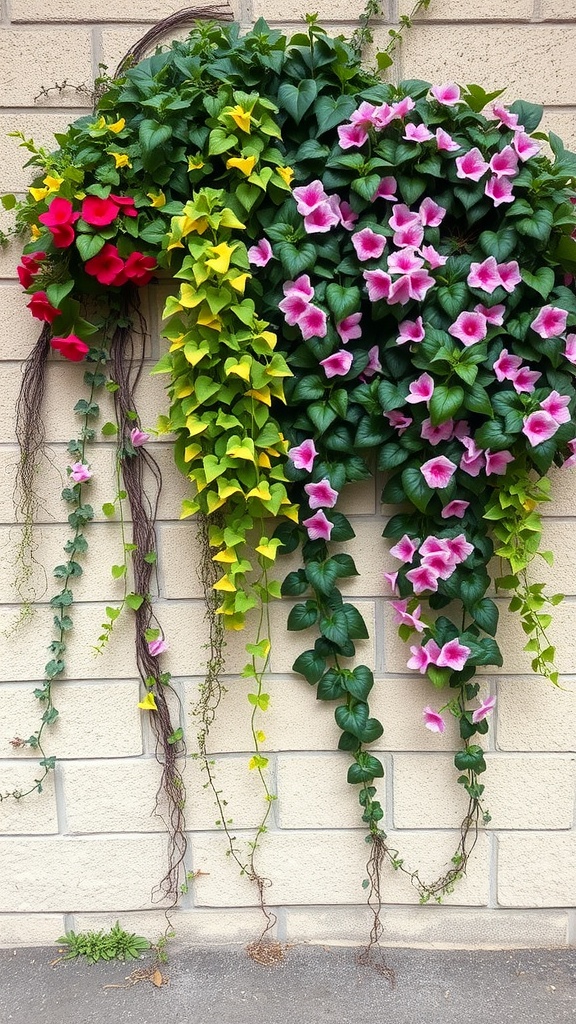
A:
x,y
89,848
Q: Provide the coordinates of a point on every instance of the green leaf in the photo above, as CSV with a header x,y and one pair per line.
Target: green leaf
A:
x,y
89,246
356,626
331,686
134,601
445,403
153,138
500,244
542,281
485,614
416,488
366,767
118,571
342,529
538,226
335,627
322,575
311,665
330,112
109,429
297,99
345,564
108,509
302,616
453,298
470,759
342,301
529,114
359,682
352,719
372,731
295,584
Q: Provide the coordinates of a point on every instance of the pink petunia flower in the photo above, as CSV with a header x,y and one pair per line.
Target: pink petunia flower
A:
x,y
443,432
496,462
386,190
318,526
338,364
525,380
469,328
453,655
417,133
402,107
434,258
539,426
448,94
570,348
445,142
321,494
309,197
368,244
373,365
398,420
505,163
499,190
312,323
493,314
484,275
352,136
571,460
157,647
510,275
349,328
454,508
347,215
410,236
423,656
484,709
506,117
472,165
550,322
421,390
472,460
366,115
303,455
412,331
261,253
138,437
525,146
377,284
404,262
391,579
431,214
298,295
402,216
433,720
438,471
419,283
323,217
405,549
80,473
406,618
557,405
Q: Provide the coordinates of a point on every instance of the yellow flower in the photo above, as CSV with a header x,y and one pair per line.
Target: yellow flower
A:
x,y
157,199
118,126
242,118
53,181
39,193
35,231
148,703
100,123
286,173
195,163
121,160
222,256
245,164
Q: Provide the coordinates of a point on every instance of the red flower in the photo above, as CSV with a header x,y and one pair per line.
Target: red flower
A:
x,y
41,307
139,268
59,219
99,212
127,205
71,347
29,266
107,266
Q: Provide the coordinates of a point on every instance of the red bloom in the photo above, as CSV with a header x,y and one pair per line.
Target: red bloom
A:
x,y
107,266
71,347
41,307
99,212
139,268
127,205
29,266
59,219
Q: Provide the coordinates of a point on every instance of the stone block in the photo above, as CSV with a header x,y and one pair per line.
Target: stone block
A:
x,y
313,792
532,715
22,930
61,54
537,870
36,813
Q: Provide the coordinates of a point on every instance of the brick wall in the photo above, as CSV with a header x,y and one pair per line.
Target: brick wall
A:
x,y
88,850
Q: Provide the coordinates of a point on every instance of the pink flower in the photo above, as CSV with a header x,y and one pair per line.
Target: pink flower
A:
x,y
473,459
351,136
438,472
412,331
506,366
156,647
484,709
524,380
321,494
405,549
303,455
391,578
484,275
447,94
443,432
398,420
433,720
80,473
368,244
59,219
505,163
571,460
421,390
41,307
423,656
365,115
261,253
419,283
556,405
493,314
139,268
338,364
405,618
417,133
349,328
445,142
312,323
570,348
459,547
386,190
441,563
377,284
409,236
454,508
453,655
373,365
403,107
510,275
496,462
525,146
472,165
298,294
323,217
107,266
309,197
138,437
347,216
469,328
432,257
431,214
539,426
318,526
402,215
99,212
505,117
499,190
404,262
550,322
71,347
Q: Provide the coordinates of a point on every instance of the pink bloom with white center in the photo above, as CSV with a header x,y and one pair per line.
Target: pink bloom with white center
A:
x,y
351,136
445,142
525,380
308,197
453,655
391,578
421,390
493,314
571,460
302,455
406,618
298,295
510,275
448,94
80,473
570,348
373,365
138,437
412,331
431,214
484,709
398,420
459,547
383,115
400,291
506,117
323,217
312,323
499,190
539,426
441,563
496,462
423,578
472,460
432,545
156,647
405,549
417,133
433,720
321,494
419,283
420,659
505,163
525,146
484,275
461,429
386,190
472,165
432,257
550,322
349,328
443,432
404,262
403,107
410,236
469,328
556,404
454,508
338,364
368,244
402,216
261,253
318,526
506,366
365,115
347,216
438,472
377,284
